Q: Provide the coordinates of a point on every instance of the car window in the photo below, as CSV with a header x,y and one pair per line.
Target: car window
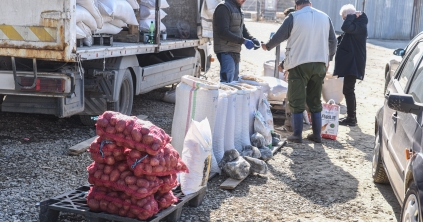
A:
x,y
416,89
409,66
413,41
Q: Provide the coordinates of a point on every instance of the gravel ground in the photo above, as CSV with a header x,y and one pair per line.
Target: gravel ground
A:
x,y
307,182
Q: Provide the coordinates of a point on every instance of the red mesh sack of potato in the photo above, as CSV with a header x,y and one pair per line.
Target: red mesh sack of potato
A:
x,y
167,183
166,162
165,199
118,203
120,178
131,132
105,151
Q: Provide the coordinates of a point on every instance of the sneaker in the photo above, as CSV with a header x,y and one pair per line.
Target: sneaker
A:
x,y
348,121
295,139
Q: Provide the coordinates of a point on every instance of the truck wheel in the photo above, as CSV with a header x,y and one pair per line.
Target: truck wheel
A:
x,y
126,96
378,172
410,208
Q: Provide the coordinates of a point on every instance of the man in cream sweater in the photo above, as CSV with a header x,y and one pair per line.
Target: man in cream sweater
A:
x,y
311,45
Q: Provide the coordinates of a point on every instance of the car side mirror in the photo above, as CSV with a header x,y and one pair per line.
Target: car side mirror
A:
x,y
399,52
404,103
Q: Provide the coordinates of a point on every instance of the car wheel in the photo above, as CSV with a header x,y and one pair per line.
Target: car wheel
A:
x,y
387,80
126,96
410,211
378,172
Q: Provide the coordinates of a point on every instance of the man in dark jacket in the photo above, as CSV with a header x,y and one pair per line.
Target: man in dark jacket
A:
x,y
229,33
350,58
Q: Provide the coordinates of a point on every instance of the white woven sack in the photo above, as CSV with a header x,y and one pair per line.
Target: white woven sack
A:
x,y
197,152
253,104
242,132
229,130
219,126
121,10
146,13
266,112
79,33
83,15
92,8
88,40
108,29
260,126
134,4
152,3
118,23
196,100
145,25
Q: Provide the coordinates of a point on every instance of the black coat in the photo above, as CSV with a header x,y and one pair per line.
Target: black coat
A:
x,y
350,58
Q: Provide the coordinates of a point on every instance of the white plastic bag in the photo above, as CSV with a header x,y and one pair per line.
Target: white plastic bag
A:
x,y
330,118
197,155
92,8
264,109
260,126
121,10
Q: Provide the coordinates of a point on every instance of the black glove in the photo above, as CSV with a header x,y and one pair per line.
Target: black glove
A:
x,y
256,43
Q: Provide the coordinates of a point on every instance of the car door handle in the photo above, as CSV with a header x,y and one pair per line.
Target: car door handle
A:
x,y
395,116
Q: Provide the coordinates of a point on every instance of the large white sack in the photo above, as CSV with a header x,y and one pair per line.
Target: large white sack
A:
x,y
145,25
277,88
229,130
266,112
197,155
253,104
83,15
146,13
92,8
255,81
79,33
118,23
196,99
219,126
152,4
84,28
108,29
242,132
121,10
134,4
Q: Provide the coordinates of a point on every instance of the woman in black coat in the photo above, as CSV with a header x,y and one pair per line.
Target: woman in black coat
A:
x,y
350,58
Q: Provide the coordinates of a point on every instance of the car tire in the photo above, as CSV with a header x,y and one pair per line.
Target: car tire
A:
x,y
126,96
378,172
411,207
387,80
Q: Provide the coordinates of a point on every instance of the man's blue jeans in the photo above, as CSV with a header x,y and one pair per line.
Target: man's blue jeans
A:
x,y
229,69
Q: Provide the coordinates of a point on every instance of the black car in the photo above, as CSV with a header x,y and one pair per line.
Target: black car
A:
x,y
398,154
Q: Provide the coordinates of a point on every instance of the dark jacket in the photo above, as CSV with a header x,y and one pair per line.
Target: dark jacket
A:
x,y
229,31
350,58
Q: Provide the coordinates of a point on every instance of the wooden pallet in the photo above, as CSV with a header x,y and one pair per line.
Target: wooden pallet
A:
x,y
75,202
84,145
230,184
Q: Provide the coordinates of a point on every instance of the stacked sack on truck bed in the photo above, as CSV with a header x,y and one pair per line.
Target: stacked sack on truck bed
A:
x,y
134,168
148,14
103,17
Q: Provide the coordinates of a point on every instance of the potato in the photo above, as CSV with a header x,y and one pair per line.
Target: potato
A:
x,y
121,182
98,174
155,146
130,180
158,169
113,120
154,162
113,194
147,139
135,154
93,204
120,125
136,135
107,169
139,170
118,143
133,187
162,162
102,122
120,135
100,166
114,175
109,160
139,147
143,183
124,174
99,132
105,177
142,190
122,212
103,205
145,130
122,167
148,169
110,130
150,177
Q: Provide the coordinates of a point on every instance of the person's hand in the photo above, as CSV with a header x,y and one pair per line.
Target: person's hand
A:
x,y
248,44
280,69
327,67
286,75
256,43
357,14
263,46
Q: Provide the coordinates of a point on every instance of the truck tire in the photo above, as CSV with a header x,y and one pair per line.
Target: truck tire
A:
x,y
126,96
87,120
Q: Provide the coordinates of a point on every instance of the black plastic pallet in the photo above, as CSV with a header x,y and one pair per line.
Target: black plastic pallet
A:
x,y
103,39
75,202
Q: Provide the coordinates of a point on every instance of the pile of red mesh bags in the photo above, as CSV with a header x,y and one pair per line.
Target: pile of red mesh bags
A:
x,y
134,168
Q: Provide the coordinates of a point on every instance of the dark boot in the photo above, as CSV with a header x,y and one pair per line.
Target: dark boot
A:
x,y
297,123
348,121
316,124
